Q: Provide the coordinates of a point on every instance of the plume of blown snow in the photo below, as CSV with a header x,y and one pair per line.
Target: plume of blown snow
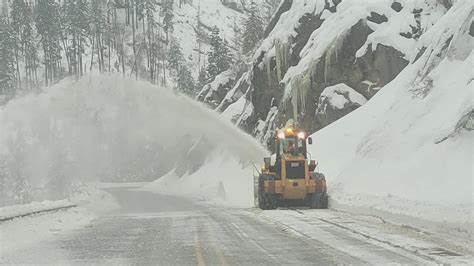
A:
x,y
107,128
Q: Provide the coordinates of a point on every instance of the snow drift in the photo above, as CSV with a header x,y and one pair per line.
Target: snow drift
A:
x,y
222,180
407,153
108,128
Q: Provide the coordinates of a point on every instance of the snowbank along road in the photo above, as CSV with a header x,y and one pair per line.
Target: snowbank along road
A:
x,y
151,228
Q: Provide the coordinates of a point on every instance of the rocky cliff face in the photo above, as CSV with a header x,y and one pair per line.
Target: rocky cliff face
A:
x,y
313,45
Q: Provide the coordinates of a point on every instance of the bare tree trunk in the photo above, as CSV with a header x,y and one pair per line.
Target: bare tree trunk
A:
x,y
92,54
122,55
18,68
64,41
127,17
36,72
99,56
101,52
108,33
26,66
80,55
133,42
114,17
46,67
146,43
163,64
149,52
74,52
158,66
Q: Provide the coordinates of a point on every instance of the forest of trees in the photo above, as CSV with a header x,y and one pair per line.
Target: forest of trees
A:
x,y
44,41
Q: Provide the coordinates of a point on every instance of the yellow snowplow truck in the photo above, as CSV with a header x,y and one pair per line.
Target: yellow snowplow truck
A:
x,y
290,180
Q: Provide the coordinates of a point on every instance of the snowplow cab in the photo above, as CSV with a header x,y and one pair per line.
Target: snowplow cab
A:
x,y
291,179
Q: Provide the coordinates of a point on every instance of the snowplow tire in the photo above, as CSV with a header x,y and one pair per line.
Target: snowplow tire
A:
x,y
324,201
266,201
269,202
319,201
261,193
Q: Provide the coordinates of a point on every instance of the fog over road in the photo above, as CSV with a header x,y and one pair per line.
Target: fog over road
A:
x,y
167,230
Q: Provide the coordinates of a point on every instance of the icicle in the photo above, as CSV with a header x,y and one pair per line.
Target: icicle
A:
x,y
299,87
333,51
282,51
268,60
278,60
294,103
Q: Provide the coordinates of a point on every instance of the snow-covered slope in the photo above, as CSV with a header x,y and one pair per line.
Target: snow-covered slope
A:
x,y
408,153
227,15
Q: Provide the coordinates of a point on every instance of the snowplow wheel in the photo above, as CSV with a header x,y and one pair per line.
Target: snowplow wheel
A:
x,y
265,201
325,201
261,193
271,202
319,201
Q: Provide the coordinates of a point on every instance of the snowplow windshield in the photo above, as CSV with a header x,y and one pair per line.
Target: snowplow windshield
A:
x,y
291,145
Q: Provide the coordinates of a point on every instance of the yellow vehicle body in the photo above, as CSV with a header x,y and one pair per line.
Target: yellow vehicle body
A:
x,y
292,180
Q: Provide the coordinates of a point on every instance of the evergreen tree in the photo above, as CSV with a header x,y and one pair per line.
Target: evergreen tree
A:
x,y
152,46
22,25
199,34
7,59
167,14
225,57
182,75
219,57
99,31
76,22
202,78
237,39
30,53
184,81
253,29
48,26
175,55
213,55
17,17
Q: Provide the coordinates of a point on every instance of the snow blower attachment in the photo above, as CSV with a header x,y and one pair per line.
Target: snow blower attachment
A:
x,y
291,180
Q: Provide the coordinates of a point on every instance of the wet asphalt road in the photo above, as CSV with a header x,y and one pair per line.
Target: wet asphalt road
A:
x,y
152,229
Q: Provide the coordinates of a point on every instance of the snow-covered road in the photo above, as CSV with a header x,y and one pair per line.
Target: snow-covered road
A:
x,y
155,229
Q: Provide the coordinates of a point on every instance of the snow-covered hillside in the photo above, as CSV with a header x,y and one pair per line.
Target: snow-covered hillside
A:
x,y
407,155
227,15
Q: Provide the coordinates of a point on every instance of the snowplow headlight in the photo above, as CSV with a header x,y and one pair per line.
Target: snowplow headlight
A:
x,y
289,130
281,135
301,135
